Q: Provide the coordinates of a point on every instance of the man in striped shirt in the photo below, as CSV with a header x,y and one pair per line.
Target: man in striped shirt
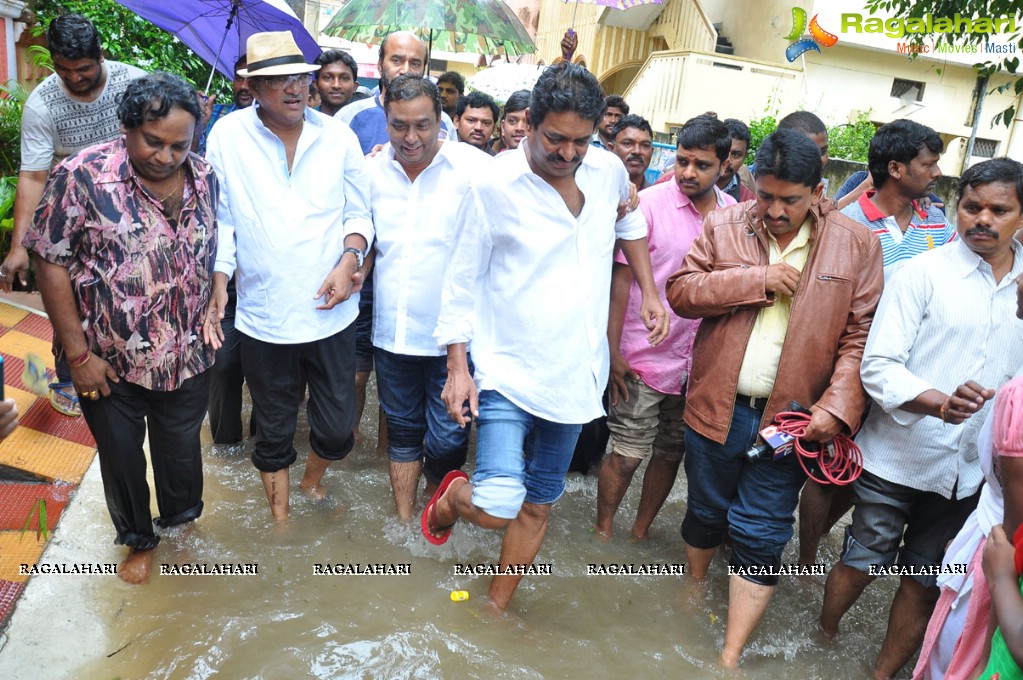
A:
x,y
903,162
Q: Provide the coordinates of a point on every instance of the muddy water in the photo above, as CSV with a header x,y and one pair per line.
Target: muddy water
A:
x,y
286,622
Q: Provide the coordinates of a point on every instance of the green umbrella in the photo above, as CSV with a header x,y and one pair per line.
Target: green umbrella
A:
x,y
479,26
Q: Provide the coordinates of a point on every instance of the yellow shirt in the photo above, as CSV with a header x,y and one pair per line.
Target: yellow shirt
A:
x,y
760,363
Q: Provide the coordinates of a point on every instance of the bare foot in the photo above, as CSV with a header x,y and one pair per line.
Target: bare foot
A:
x,y
639,538
693,594
602,535
317,492
823,636
137,567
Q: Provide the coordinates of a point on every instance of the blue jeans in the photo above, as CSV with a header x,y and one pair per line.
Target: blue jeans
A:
x,y
519,457
418,424
755,502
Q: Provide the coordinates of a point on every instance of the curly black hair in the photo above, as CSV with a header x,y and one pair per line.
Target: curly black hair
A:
x,y
152,97
566,87
72,36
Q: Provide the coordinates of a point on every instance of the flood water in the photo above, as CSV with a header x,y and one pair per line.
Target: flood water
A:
x,y
287,622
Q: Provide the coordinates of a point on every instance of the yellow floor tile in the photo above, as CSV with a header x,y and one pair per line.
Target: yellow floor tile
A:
x,y
16,550
19,344
23,399
46,455
10,316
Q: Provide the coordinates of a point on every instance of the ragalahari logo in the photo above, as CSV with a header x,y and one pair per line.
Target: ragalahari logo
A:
x,y
800,43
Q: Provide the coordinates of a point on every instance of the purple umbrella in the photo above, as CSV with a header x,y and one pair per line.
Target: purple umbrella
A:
x,y
216,30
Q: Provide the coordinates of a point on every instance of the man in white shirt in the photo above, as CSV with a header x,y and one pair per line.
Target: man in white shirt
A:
x,y
401,52
944,339
294,226
418,182
528,285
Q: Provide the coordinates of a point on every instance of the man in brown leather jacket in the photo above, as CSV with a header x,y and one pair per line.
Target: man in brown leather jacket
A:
x,y
786,288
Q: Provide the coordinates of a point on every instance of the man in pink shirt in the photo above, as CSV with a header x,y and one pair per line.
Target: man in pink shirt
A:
x,y
647,382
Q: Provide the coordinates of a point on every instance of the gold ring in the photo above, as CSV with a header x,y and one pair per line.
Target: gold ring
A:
x,y
92,394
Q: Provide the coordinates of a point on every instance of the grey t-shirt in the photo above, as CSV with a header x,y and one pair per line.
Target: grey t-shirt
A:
x,y
54,126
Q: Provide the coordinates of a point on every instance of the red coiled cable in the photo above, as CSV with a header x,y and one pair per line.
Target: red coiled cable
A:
x,y
839,464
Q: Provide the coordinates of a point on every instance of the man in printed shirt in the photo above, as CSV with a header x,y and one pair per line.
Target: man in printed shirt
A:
x,y
295,226
127,303
903,160
648,383
72,109
945,338
539,222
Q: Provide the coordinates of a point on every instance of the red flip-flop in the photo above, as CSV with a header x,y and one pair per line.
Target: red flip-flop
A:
x,y
445,531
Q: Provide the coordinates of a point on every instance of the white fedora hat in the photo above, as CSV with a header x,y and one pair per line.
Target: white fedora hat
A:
x,y
274,54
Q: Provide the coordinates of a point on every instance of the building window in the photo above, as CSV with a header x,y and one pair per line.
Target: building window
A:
x,y
985,148
911,90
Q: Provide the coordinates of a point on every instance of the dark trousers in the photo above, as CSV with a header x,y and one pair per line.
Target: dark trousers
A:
x,y
592,442
274,373
118,423
226,379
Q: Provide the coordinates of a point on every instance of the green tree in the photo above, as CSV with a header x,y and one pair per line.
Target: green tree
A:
x,y
758,129
129,38
851,141
967,8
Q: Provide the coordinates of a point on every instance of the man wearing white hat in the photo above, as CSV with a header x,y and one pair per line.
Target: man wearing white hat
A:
x,y
294,227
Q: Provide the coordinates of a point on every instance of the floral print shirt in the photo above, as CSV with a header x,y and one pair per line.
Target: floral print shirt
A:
x,y
141,280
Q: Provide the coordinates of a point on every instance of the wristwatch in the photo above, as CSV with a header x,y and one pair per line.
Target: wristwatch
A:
x,y
360,256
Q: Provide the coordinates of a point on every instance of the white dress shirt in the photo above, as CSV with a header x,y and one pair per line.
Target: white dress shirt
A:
x,y
942,320
281,233
415,231
529,284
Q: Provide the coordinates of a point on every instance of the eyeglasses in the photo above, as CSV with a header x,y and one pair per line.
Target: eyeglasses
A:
x,y
282,82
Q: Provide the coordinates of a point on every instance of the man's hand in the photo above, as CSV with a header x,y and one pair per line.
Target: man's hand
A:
x,y
999,558
212,333
460,388
93,376
8,417
782,278
823,427
965,401
620,370
625,207
207,106
340,282
654,318
377,148
568,44
16,264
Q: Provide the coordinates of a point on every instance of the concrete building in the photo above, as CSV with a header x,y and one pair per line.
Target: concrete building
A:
x,y
685,57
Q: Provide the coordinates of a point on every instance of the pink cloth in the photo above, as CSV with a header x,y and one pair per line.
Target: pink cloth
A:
x,y
968,650
1008,427
673,223
1006,440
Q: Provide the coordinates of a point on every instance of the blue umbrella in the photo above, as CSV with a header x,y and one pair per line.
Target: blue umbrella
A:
x,y
216,30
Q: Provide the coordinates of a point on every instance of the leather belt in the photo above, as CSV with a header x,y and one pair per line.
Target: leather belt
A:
x,y
758,403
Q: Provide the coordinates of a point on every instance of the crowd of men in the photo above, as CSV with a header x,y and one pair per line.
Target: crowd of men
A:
x,y
517,277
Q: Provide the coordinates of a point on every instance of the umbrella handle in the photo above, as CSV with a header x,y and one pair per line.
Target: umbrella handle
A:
x,y
235,4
